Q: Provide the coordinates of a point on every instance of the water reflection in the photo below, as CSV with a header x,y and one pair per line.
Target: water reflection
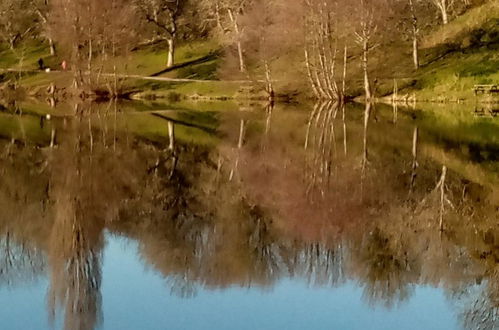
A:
x,y
330,196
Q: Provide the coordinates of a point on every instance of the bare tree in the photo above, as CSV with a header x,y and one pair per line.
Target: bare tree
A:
x,y
321,49
42,8
364,37
444,7
16,21
91,32
228,15
165,15
414,34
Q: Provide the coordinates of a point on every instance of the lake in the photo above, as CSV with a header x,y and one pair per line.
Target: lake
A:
x,y
219,215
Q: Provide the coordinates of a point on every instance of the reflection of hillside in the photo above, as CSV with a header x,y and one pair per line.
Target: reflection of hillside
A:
x,y
246,212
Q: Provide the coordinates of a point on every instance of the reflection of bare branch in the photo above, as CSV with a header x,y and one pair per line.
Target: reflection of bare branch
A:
x,y
415,164
18,261
440,188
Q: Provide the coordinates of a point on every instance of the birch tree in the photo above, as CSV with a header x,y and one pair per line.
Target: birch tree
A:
x,y
414,33
444,7
228,16
364,37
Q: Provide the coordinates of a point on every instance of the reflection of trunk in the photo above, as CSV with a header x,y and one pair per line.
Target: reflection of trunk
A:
x,y
171,51
241,134
344,129
240,143
395,101
442,196
367,114
268,121
268,124
414,159
171,135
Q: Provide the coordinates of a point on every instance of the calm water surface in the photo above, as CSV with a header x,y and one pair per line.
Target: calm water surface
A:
x,y
200,216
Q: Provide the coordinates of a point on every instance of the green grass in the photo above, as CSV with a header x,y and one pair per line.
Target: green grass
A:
x,y
453,77
462,26
197,60
151,59
25,56
459,55
26,128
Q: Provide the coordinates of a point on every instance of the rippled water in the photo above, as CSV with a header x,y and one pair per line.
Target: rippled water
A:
x,y
200,216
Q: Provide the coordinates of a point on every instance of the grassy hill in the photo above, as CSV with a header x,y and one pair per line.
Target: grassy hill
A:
x,y
457,56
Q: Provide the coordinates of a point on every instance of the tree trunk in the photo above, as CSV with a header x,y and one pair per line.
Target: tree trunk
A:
x,y
415,34
415,51
12,43
52,46
443,9
345,59
365,63
242,66
171,52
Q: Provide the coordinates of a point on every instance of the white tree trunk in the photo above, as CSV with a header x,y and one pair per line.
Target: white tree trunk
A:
x,y
443,9
52,46
242,66
237,31
365,67
171,52
415,51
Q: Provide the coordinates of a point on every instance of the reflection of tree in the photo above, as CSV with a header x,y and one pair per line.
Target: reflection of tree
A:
x,y
385,268
76,240
476,309
319,264
19,262
91,180
23,202
75,261
321,139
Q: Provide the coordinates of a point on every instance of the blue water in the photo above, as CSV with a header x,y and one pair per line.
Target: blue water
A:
x,y
136,297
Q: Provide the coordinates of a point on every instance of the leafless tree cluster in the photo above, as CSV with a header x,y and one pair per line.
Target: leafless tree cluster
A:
x,y
91,30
